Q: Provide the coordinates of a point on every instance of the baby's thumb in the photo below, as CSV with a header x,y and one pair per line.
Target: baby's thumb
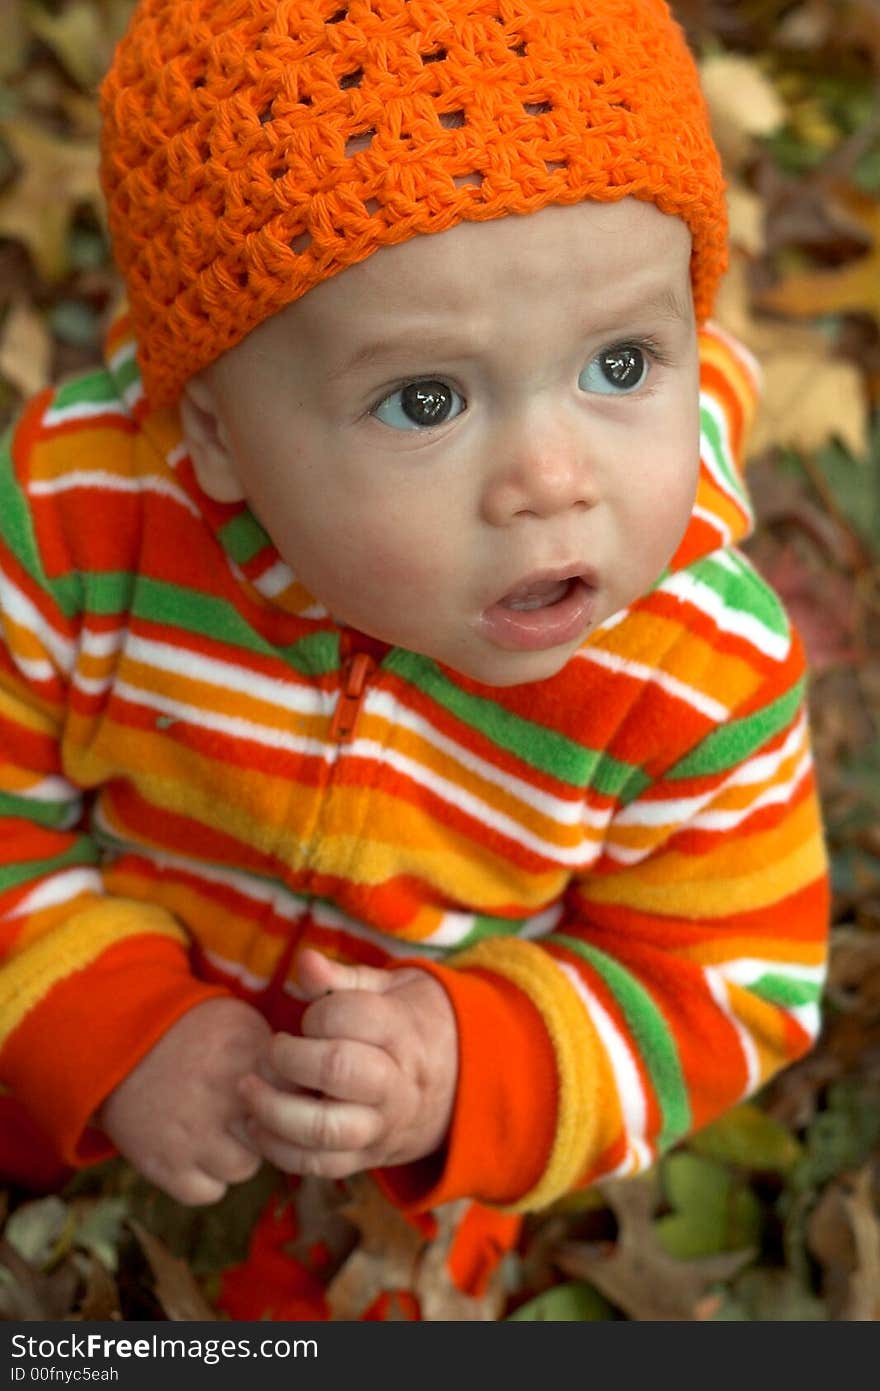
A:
x,y
316,974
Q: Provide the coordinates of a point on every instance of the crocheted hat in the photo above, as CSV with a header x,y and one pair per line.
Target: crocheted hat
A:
x,y
253,148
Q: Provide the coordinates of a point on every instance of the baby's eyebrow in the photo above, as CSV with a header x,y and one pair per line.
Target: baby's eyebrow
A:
x,y
375,350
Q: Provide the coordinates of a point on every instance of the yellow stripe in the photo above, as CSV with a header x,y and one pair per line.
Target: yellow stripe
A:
x,y
578,1058
29,976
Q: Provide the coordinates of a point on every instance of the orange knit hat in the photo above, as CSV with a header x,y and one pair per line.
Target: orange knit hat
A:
x,y
253,148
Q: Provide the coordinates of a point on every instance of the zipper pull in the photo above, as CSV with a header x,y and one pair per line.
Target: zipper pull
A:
x,y
356,673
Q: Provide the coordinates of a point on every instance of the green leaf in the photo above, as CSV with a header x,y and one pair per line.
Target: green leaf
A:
x,y
746,1136
714,1212
35,1228
769,1296
575,1302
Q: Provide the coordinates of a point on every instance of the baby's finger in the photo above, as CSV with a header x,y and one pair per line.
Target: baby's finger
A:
x,y
340,1068
291,1159
229,1161
310,1122
358,1015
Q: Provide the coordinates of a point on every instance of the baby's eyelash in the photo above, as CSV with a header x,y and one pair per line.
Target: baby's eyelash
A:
x,y
646,344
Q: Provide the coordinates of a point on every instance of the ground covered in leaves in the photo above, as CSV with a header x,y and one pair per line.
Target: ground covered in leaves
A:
x,y
773,1213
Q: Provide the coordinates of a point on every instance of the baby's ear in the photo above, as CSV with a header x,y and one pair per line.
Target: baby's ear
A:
x,y
213,457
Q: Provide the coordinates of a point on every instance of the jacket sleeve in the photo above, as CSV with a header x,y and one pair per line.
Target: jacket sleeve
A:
x,y
688,964
677,983
88,983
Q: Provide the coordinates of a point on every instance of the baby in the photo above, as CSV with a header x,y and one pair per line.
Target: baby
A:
x,y
402,770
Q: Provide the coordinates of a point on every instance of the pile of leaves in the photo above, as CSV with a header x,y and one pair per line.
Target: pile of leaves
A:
x,y
773,1212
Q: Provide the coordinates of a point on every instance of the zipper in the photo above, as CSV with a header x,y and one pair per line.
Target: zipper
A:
x,y
356,673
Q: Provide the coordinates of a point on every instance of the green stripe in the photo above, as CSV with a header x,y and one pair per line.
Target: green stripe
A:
x,y
127,373
651,1033
733,742
711,432
243,537
93,388
786,991
81,854
17,530
158,601
542,748
742,589
52,815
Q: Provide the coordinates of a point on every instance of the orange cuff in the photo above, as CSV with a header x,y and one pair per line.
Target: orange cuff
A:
x,y
504,1118
89,1031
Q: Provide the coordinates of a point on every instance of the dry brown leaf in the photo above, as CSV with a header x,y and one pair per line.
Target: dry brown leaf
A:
x,y
78,36
853,287
743,104
25,348
55,177
320,1221
745,211
13,39
394,1255
439,1297
386,1258
100,1301
26,1293
636,1273
808,395
863,1304
176,1287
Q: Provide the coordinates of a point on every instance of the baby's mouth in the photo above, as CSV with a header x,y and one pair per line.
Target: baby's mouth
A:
x,y
544,610
540,594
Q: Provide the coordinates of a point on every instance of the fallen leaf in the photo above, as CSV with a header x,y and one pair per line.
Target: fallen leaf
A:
x,y
575,1301
55,177
713,1209
743,104
386,1258
27,1293
177,1290
863,1304
78,37
25,348
439,1297
851,287
776,1296
637,1274
748,1137
100,1300
808,394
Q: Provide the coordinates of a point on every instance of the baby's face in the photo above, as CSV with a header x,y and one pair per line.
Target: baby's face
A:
x,y
480,444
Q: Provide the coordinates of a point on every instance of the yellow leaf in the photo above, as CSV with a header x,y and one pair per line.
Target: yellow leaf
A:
x,y
743,104
55,177
77,36
854,286
25,349
809,395
13,40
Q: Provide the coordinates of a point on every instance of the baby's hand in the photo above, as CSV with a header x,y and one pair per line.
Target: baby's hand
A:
x,y
382,1052
178,1116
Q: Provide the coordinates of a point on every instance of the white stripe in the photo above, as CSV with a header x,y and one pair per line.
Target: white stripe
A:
x,y
232,726
454,928
236,971
102,644
570,812
718,991
288,696
26,615
640,671
630,1092
123,356
580,855
682,813
718,525
60,888
50,789
84,410
746,970
684,586
735,491
809,1017
113,482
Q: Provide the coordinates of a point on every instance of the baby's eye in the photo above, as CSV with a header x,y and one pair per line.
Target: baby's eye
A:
x,y
419,405
616,370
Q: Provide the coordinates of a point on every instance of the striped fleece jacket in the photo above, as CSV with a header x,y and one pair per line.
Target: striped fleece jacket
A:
x,y
617,874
